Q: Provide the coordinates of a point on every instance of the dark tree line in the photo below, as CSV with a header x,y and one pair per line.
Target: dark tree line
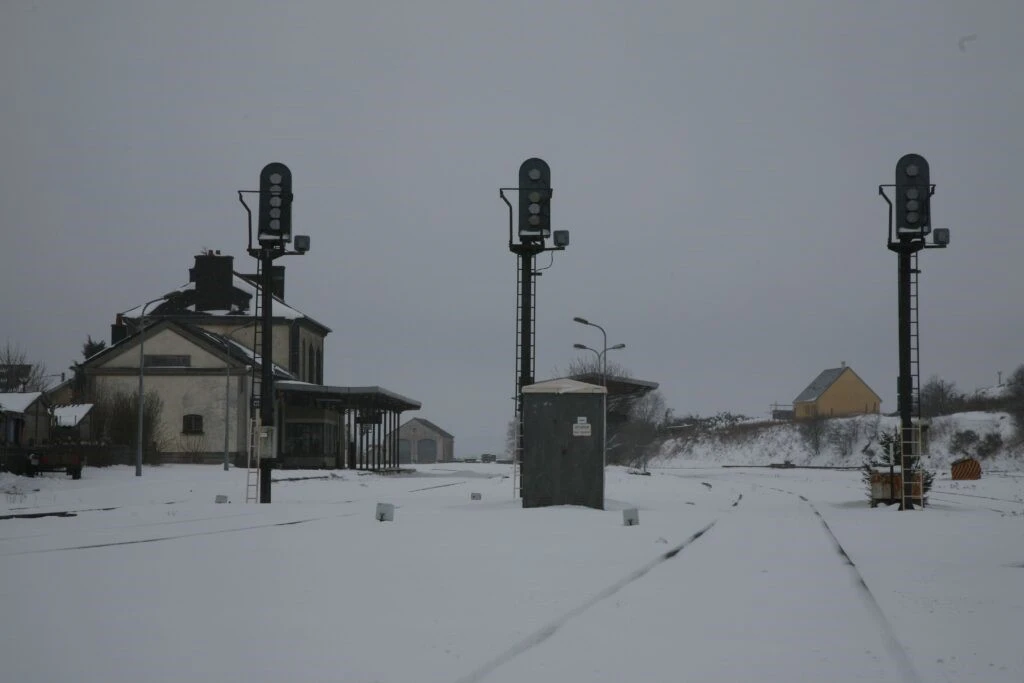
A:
x,y
941,397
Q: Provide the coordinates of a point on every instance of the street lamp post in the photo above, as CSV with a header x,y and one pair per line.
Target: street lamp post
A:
x,y
142,365
602,359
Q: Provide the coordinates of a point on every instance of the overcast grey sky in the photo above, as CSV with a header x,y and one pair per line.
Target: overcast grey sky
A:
x,y
716,162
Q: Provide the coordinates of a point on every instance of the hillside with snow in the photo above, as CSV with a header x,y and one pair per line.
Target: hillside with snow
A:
x,y
841,442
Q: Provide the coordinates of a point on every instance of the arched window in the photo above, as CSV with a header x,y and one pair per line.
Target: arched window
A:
x,y
192,424
320,366
302,361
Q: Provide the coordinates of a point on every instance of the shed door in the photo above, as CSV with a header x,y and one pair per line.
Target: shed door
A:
x,y
404,452
426,451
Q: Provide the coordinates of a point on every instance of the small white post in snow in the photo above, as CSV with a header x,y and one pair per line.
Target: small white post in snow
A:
x,y
631,517
385,512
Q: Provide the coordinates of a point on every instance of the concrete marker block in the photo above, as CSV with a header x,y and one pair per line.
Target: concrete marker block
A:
x,y
385,512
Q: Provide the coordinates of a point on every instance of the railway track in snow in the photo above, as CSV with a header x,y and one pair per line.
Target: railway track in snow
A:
x,y
172,537
894,646
544,633
958,499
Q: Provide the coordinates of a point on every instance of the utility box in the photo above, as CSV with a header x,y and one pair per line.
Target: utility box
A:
x,y
563,444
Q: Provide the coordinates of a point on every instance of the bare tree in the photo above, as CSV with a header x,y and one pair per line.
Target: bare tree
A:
x,y
939,397
813,430
18,374
193,446
651,409
511,438
842,435
115,419
589,365
635,440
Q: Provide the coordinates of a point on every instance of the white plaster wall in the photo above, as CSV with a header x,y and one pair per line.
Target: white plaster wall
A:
x,y
222,401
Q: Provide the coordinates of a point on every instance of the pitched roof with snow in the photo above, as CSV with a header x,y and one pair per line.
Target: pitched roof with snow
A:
x,y
616,385
70,415
196,334
18,402
563,385
820,384
235,349
240,283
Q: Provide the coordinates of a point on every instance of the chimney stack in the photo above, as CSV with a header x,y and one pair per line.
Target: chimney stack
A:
x,y
213,275
118,331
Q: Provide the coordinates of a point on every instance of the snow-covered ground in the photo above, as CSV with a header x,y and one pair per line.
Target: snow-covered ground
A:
x,y
731,575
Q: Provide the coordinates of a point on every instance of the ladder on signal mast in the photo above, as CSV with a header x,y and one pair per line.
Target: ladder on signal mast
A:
x,y
915,338
252,474
911,471
530,272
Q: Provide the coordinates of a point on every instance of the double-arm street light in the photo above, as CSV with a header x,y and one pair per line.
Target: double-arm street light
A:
x,y
142,365
602,360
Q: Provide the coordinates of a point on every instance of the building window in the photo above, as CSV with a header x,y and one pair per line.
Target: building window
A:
x,y
319,366
165,360
310,374
192,424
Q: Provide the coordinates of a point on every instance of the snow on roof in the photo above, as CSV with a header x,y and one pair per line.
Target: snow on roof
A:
x,y
70,415
563,385
18,403
819,385
252,356
281,309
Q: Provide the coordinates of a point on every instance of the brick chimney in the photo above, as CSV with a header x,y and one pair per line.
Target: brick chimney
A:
x,y
118,331
212,274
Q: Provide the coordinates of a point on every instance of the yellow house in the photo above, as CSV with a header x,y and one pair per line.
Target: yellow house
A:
x,y
834,393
